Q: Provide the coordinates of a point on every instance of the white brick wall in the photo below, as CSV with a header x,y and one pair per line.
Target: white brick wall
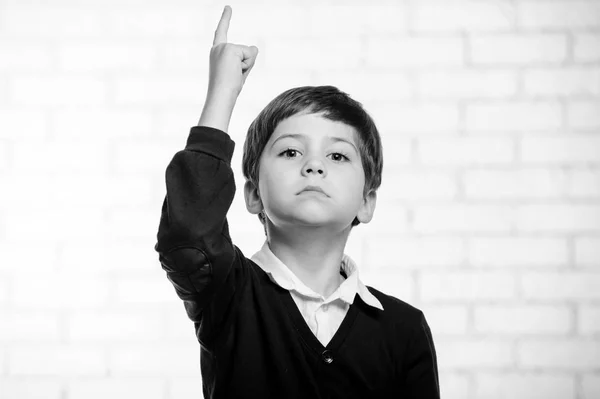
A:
x,y
488,217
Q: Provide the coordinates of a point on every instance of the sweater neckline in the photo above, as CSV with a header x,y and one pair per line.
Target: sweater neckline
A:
x,y
306,333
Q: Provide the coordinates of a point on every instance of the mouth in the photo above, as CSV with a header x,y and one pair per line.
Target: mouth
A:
x,y
314,189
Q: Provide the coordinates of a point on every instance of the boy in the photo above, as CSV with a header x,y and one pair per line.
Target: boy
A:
x,y
294,321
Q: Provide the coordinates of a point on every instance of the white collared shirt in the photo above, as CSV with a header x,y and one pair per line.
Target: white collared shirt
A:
x,y
323,315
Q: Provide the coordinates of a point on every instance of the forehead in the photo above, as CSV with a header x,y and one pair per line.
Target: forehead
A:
x,y
314,126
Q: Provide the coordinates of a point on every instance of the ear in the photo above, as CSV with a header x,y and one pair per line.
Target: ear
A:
x,y
367,208
252,198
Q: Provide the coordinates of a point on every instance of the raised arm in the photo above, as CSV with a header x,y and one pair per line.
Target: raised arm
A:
x,y
193,240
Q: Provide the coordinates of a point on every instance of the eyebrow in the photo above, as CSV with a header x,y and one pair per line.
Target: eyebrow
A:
x,y
302,136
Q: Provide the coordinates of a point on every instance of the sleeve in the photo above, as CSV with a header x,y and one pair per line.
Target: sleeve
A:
x,y
193,242
422,379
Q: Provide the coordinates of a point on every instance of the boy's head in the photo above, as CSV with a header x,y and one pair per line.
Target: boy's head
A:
x,y
312,136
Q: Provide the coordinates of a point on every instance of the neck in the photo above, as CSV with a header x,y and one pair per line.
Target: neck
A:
x,y
314,255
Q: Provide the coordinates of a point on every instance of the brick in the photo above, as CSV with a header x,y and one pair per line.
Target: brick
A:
x,y
100,123
136,290
51,21
522,320
519,116
57,90
525,183
30,388
129,223
415,119
169,122
160,360
4,292
12,250
150,156
557,286
564,218
13,128
185,387
588,320
156,20
357,19
114,326
583,183
303,54
101,388
414,52
466,353
561,150
133,255
466,286
466,84
72,156
455,384
567,81
521,49
389,218
586,47
397,151
178,326
391,86
587,251
465,151
5,153
583,114
59,290
590,386
266,84
182,54
415,253
18,326
518,252
25,55
152,89
524,385
447,319
92,189
417,185
461,218
462,16
398,284
56,361
558,14
558,354
100,56
288,20
56,223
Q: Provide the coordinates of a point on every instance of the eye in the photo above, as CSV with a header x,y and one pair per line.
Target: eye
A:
x,y
289,153
339,157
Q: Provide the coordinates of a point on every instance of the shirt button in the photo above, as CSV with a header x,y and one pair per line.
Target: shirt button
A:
x,y
327,356
325,307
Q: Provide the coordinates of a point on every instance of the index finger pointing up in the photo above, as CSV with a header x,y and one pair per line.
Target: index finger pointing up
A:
x,y
223,27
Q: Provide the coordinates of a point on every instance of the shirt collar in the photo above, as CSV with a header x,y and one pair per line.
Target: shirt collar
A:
x,y
280,274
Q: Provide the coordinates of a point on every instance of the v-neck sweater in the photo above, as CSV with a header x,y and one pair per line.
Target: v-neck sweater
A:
x,y
323,315
254,342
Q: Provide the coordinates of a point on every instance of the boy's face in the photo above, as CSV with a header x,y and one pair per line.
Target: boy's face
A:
x,y
309,150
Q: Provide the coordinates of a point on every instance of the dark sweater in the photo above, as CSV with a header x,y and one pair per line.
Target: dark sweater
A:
x,y
254,342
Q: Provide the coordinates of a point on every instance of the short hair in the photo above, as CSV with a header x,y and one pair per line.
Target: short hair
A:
x,y
332,104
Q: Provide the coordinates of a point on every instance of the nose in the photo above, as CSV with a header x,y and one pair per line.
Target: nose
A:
x,y
314,166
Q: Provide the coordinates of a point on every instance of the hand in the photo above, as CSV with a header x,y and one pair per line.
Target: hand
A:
x,y
230,63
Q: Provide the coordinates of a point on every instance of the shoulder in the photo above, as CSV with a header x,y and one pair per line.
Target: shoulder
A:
x,y
397,310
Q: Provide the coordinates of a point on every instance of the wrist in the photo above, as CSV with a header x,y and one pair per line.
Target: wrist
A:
x,y
217,112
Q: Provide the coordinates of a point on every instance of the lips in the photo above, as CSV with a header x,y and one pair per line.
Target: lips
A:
x,y
313,188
